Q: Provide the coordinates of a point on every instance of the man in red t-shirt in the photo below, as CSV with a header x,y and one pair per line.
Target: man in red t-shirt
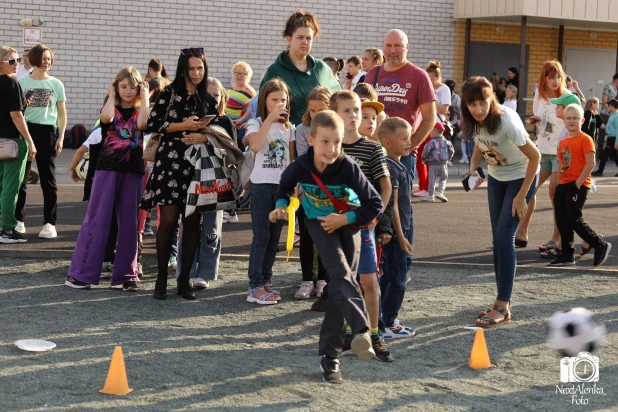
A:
x,y
403,88
406,92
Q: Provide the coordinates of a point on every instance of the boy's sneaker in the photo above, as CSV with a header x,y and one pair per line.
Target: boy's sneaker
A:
x,y
380,350
397,330
171,263
347,345
106,270
76,284
361,346
148,230
230,217
600,254
48,231
130,286
320,305
563,260
200,283
21,227
14,237
428,198
331,372
441,197
319,288
420,193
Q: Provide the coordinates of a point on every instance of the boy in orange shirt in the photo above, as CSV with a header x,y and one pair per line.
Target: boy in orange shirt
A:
x,y
576,155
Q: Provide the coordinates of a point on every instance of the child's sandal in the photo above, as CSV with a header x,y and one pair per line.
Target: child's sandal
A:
x,y
487,322
262,299
269,288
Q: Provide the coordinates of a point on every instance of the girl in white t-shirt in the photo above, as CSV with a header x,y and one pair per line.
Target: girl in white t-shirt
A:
x,y
271,139
510,100
552,84
513,163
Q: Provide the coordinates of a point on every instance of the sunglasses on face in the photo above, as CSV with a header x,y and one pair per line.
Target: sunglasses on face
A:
x,y
193,51
12,62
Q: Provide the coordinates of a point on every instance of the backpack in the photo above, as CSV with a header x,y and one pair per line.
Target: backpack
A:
x,y
78,136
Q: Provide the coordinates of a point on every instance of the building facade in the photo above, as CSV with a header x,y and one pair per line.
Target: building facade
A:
x,y
94,39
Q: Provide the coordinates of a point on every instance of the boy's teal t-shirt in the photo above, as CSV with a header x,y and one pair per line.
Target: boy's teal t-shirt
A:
x,y
612,125
42,97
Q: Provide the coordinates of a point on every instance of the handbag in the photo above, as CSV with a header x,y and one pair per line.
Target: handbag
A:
x,y
211,187
9,150
152,147
341,206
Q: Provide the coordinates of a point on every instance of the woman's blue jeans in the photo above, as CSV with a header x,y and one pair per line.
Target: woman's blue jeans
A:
x,y
206,261
503,227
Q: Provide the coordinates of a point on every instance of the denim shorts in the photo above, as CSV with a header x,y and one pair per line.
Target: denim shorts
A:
x,y
368,257
549,163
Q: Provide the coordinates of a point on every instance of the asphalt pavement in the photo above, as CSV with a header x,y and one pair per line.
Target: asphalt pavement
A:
x,y
455,233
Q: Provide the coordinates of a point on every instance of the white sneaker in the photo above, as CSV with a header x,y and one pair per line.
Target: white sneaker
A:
x,y
449,163
397,330
441,197
228,218
199,283
420,193
428,198
21,227
305,290
48,231
464,160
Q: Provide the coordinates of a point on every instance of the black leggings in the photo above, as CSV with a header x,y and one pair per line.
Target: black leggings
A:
x,y
608,150
43,138
306,250
165,237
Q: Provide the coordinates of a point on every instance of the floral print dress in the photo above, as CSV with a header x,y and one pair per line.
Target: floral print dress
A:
x,y
172,172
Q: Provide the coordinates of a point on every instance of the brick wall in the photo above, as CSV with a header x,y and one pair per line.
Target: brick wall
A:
x,y
92,40
543,43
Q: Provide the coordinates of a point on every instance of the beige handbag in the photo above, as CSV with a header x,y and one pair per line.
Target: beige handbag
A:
x,y
9,150
152,147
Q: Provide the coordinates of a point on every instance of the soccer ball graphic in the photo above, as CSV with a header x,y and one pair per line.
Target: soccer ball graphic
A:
x,y
574,331
82,166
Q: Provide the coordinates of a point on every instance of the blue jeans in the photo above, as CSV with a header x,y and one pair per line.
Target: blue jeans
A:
x,y
206,261
503,228
393,280
409,162
265,235
469,148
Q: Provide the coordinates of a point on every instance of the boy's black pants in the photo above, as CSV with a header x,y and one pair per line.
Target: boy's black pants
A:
x,y
568,204
340,253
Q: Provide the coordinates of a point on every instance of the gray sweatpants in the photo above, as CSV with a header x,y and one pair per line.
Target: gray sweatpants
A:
x,y
340,252
439,173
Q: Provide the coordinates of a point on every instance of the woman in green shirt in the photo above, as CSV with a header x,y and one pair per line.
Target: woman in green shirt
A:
x,y
45,112
297,68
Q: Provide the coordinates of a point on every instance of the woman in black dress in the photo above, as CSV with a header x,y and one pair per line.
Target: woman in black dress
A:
x,y
172,173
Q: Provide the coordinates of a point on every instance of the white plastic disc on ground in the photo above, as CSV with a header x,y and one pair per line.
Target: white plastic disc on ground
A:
x,y
35,345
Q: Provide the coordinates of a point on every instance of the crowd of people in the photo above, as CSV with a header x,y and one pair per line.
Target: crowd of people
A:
x,y
348,150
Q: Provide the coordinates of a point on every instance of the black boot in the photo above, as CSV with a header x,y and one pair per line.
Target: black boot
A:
x,y
160,292
184,287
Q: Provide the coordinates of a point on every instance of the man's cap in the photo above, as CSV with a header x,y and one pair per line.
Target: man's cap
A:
x,y
376,105
566,99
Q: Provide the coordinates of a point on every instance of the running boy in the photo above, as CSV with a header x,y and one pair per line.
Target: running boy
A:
x,y
336,241
436,154
395,135
576,155
369,156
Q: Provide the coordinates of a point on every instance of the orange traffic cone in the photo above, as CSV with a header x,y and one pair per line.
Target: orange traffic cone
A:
x,y
116,382
479,358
